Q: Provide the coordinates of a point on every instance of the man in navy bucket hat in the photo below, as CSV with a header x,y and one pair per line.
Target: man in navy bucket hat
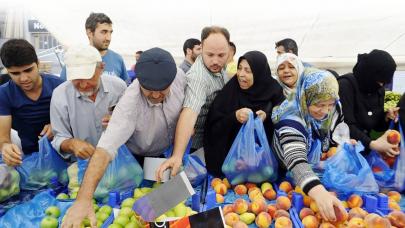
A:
x,y
144,120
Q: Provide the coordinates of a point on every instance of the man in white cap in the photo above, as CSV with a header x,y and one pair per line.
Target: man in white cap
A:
x,y
81,106
145,120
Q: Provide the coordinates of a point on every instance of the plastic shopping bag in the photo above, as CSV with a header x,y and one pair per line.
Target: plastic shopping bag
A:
x,y
9,182
250,158
348,172
390,174
38,168
122,174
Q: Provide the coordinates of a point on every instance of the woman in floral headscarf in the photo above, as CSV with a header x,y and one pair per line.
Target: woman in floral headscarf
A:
x,y
289,70
303,126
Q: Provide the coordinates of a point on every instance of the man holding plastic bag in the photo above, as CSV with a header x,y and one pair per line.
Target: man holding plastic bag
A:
x,y
144,119
24,101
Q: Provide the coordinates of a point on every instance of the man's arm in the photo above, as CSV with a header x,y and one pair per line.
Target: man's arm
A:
x,y
83,207
10,153
5,123
184,130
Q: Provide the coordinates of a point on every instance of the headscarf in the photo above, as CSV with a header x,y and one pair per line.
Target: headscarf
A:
x,y
222,126
377,66
314,86
296,62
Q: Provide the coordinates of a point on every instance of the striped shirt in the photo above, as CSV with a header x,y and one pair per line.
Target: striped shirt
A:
x,y
290,144
202,88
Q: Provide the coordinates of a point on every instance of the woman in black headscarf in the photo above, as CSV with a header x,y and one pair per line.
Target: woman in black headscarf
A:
x,y
362,98
254,89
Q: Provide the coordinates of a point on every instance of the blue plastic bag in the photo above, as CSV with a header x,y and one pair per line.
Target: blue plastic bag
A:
x,y
348,172
122,174
389,178
195,169
250,158
38,168
30,214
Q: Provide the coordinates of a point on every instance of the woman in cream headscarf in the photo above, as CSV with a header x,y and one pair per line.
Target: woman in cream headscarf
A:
x,y
288,71
303,126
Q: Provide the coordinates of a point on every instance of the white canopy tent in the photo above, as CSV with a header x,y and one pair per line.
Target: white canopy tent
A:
x,y
329,33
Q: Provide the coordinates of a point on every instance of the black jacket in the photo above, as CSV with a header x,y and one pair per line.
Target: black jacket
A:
x,y
362,111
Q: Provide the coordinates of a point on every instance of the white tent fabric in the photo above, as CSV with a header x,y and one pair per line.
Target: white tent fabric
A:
x,y
327,32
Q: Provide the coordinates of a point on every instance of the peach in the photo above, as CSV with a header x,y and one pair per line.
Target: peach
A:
x,y
332,151
394,205
394,137
355,201
240,206
281,213
271,209
226,183
285,186
253,189
307,201
376,169
231,218
265,186
394,195
258,206
356,223
227,208
318,216
326,225
263,220
390,160
370,217
270,194
219,198
239,224
283,202
377,222
220,188
305,212
357,212
299,190
250,185
397,218
215,181
254,192
310,221
283,222
314,206
240,189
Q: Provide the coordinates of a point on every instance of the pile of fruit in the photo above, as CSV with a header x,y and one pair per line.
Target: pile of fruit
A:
x,y
129,219
391,100
264,207
9,182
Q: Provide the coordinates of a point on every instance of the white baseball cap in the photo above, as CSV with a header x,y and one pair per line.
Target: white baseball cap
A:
x,y
81,62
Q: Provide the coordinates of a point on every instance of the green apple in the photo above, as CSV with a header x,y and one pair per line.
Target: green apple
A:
x,y
106,209
115,226
49,222
102,216
138,193
53,211
99,223
95,207
132,225
129,202
156,184
127,211
161,218
146,190
86,222
62,196
73,195
180,210
133,218
121,220
247,218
